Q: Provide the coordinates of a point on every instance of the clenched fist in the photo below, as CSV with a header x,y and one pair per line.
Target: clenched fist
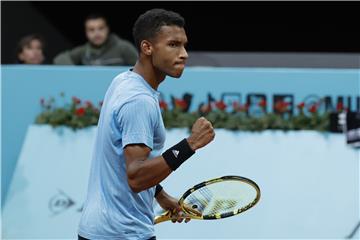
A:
x,y
202,133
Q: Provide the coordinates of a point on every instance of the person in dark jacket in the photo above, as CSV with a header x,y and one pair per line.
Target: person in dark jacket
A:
x,y
102,48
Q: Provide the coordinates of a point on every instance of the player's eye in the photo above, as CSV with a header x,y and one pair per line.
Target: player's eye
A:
x,y
173,44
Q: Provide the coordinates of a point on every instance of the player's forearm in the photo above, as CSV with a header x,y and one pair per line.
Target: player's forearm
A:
x,y
164,199
161,195
143,174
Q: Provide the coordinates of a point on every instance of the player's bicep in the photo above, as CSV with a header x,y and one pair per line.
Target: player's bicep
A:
x,y
135,155
136,152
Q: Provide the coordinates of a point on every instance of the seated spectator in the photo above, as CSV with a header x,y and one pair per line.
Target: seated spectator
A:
x,y
30,50
102,48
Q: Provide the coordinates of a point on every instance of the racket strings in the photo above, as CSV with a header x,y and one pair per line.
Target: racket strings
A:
x,y
206,193
206,198
197,203
200,199
223,198
221,206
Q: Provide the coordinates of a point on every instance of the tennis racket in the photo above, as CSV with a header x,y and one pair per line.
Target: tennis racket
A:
x,y
217,198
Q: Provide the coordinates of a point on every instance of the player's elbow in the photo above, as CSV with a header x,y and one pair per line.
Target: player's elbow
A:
x,y
135,188
134,185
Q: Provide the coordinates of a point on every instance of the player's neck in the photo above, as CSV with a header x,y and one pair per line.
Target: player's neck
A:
x,y
149,73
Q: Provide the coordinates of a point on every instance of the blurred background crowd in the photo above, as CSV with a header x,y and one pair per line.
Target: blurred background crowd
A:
x,y
225,34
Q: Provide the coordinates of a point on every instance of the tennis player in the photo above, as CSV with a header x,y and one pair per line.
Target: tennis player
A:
x,y
128,161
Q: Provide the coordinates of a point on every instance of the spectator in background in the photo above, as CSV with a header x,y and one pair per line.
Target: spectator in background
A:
x,y
102,48
30,50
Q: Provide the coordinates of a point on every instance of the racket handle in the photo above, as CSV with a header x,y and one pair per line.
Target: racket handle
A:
x,y
162,218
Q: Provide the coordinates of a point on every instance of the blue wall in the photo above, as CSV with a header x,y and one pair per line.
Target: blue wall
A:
x,y
23,86
300,197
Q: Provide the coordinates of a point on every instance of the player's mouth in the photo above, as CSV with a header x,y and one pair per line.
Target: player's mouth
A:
x,y
180,64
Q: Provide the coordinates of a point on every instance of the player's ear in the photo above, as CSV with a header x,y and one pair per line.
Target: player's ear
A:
x,y
146,47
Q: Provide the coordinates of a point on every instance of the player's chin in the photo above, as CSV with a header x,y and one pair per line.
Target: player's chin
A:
x,y
176,73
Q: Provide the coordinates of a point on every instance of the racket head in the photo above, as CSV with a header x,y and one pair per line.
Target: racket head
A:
x,y
220,198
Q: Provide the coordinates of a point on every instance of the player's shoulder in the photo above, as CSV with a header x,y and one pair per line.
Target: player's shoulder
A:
x,y
139,106
123,76
142,99
129,90
127,79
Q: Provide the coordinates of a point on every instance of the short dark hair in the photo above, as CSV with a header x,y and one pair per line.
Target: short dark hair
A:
x,y
25,41
94,16
149,23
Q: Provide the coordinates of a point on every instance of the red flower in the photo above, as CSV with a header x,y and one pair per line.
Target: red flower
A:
x,y
281,106
262,103
180,103
80,112
244,107
220,105
76,100
313,108
235,105
88,104
240,108
301,105
340,107
163,105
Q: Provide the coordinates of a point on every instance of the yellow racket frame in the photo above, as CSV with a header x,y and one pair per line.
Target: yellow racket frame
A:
x,y
194,214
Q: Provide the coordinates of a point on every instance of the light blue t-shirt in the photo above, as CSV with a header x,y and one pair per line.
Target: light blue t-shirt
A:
x,y
130,114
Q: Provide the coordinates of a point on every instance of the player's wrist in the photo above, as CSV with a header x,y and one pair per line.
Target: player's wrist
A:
x,y
178,154
192,144
158,189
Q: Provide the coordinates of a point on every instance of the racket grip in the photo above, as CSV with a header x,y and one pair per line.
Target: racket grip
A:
x,y
162,218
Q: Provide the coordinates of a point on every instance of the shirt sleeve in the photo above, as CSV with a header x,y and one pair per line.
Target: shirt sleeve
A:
x,y
137,121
